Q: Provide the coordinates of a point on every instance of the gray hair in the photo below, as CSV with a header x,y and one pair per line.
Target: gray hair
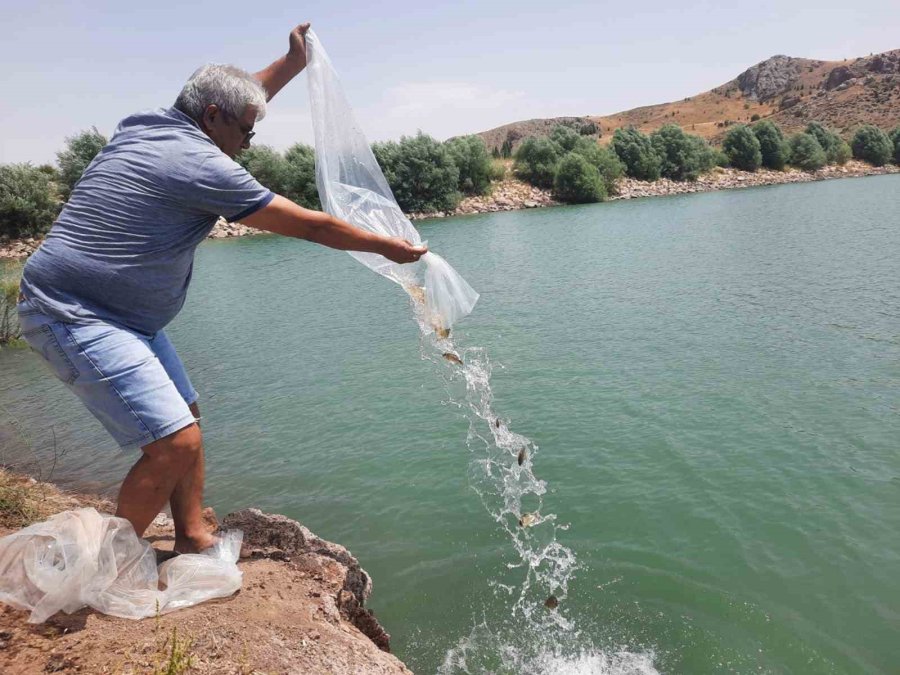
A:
x,y
228,87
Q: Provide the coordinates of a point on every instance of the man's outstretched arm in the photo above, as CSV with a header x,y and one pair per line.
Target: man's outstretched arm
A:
x,y
282,216
286,68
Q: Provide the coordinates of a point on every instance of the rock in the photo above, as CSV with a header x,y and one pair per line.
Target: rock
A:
x,y
769,78
838,76
268,535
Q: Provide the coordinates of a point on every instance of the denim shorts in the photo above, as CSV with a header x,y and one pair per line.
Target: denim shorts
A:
x,y
135,385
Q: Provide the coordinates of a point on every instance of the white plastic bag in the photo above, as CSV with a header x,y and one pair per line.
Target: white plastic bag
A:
x,y
353,188
85,558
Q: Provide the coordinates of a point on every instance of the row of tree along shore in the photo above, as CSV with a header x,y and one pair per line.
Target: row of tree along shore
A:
x,y
570,165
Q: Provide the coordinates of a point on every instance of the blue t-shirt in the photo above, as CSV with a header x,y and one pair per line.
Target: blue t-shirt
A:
x,y
122,249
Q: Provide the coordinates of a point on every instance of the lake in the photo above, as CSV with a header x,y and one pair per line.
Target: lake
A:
x,y
711,383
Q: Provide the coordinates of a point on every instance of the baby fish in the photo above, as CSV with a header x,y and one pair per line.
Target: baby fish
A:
x,y
452,358
417,293
523,454
551,602
527,519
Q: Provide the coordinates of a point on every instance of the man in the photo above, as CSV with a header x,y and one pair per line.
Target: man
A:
x,y
115,268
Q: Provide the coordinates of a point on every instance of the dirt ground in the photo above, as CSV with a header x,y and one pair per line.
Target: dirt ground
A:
x,y
299,610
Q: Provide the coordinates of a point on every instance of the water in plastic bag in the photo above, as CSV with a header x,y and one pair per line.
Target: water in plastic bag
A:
x,y
353,188
83,558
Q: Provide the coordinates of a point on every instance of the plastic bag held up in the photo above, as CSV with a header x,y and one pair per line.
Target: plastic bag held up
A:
x,y
84,558
353,188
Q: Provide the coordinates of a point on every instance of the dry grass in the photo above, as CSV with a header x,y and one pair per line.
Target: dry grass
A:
x,y
24,501
9,322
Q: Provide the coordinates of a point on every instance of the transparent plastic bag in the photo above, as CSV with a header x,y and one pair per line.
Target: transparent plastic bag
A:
x,y
353,188
84,558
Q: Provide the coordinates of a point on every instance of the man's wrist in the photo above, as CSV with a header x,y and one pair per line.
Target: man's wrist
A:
x,y
296,62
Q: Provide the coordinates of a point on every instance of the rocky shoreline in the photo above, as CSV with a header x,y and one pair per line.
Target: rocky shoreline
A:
x,y
511,195
300,609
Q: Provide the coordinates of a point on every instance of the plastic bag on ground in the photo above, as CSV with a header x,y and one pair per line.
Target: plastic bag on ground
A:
x,y
83,558
352,187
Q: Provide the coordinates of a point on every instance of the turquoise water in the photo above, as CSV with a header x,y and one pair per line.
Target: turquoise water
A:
x,y
712,382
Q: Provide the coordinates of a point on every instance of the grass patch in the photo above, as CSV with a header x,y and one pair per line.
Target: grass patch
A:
x,y
9,319
175,653
22,501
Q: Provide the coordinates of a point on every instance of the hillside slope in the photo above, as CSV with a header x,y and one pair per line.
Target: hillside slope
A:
x,y
789,91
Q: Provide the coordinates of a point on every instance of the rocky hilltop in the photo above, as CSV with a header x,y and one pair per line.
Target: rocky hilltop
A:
x,y
790,91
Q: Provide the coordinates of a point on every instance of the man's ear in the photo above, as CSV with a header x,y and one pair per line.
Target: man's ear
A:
x,y
210,115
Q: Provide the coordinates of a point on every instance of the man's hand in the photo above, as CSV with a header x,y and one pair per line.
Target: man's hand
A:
x,y
297,49
285,68
402,251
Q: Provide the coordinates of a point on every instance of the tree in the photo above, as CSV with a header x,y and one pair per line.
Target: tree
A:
x,y
536,160
742,148
28,205
895,139
680,159
806,152
604,160
471,158
707,156
636,153
577,181
79,153
837,151
267,166
872,145
774,150
300,176
420,172
565,137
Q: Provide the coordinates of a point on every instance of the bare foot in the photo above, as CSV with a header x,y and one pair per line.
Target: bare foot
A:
x,y
195,544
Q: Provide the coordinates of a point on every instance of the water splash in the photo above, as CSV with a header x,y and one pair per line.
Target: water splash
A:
x,y
537,635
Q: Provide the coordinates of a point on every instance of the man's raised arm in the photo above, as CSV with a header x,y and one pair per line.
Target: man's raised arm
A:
x,y
286,68
282,216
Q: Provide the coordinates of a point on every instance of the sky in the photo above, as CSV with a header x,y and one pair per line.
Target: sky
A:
x,y
443,68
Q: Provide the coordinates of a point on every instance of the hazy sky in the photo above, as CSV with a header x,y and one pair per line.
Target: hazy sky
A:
x,y
444,68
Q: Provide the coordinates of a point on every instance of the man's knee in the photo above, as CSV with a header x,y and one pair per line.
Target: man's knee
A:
x,y
179,449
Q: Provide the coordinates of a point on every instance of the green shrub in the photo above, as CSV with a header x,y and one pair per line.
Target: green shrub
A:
x,y
895,139
837,151
806,152
774,150
536,160
872,145
604,160
300,176
578,181
292,175
421,173
742,148
565,137
498,170
708,157
28,205
79,153
266,165
636,153
474,163
679,155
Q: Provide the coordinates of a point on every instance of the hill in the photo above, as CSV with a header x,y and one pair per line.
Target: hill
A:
x,y
787,90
